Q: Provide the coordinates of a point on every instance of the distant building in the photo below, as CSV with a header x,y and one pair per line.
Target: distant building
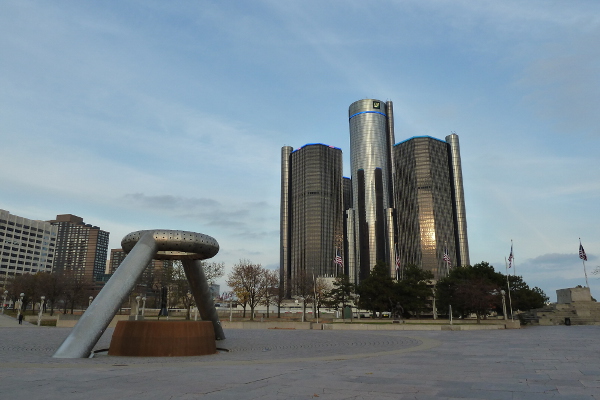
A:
x,y
312,214
215,290
80,248
404,203
153,273
27,246
429,202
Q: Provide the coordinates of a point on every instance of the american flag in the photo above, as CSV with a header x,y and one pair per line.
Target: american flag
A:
x,y
397,261
510,257
338,259
446,256
582,253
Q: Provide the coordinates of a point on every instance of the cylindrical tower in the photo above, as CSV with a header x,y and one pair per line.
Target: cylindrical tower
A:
x,y
460,214
369,155
284,253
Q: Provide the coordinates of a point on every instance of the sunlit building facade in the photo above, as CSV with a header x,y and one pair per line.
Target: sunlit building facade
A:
x,y
27,246
312,214
429,201
81,249
370,221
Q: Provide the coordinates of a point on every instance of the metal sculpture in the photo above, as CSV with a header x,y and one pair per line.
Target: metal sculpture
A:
x,y
143,246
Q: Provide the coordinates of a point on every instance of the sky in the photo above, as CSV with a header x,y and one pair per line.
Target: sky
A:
x,y
171,115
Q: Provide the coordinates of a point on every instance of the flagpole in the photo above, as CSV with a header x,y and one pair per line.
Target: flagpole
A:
x,y
513,259
583,257
508,286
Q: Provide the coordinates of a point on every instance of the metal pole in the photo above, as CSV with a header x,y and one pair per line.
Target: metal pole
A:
x,y
503,293
20,304
202,294
39,321
4,300
508,287
450,314
137,306
95,320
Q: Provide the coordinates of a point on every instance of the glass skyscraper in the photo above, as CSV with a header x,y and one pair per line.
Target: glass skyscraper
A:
x,y
312,214
370,220
429,200
404,203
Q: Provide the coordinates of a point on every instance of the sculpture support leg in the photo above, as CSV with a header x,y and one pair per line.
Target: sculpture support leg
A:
x,y
95,320
201,291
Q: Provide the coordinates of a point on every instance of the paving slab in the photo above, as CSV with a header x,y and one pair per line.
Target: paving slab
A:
x,y
530,363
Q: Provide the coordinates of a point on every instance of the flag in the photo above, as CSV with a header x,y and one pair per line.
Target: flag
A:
x,y
446,256
397,261
510,258
582,253
338,259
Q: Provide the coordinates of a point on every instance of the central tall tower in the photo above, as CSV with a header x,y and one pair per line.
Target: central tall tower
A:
x,y
370,221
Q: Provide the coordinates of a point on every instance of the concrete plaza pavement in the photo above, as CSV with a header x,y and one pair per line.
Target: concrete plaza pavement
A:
x,y
530,363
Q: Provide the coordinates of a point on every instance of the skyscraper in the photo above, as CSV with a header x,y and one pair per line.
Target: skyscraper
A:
x,y
80,247
312,214
370,220
27,246
404,202
429,200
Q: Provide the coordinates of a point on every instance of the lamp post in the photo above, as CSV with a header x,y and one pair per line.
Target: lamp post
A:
x,y
189,316
503,293
20,301
90,303
4,300
42,299
230,306
143,305
137,299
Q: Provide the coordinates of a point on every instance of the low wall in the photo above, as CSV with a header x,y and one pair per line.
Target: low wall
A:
x,y
69,321
269,325
420,327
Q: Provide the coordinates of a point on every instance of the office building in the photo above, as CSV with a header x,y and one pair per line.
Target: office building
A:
x,y
152,276
27,246
370,220
312,214
81,248
404,203
429,198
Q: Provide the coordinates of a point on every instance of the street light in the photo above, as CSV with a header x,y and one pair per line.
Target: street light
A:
x,y
143,305
137,299
41,310
20,301
90,303
4,300
189,296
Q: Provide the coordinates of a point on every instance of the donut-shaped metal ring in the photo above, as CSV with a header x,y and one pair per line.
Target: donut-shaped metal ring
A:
x,y
175,245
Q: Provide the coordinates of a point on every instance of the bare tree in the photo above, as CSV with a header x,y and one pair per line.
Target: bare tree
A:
x,y
271,288
249,283
213,271
321,293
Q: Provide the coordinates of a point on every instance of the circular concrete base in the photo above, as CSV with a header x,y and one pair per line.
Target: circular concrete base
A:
x,y
163,339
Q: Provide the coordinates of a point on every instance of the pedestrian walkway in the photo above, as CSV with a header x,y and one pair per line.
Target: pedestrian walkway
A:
x,y
531,363
10,322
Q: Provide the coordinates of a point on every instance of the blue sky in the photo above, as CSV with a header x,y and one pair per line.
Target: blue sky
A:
x,y
151,114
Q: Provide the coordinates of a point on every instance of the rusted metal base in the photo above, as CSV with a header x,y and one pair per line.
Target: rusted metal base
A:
x,y
163,339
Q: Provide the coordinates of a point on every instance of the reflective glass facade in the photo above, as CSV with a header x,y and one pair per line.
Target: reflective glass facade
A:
x,y
312,213
426,206
371,136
